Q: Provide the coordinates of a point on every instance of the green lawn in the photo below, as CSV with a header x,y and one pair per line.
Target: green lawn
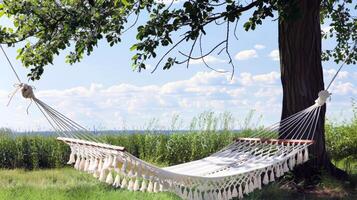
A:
x,y
70,184
63,184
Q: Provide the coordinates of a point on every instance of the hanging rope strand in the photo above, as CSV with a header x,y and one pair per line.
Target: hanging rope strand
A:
x,y
335,76
12,67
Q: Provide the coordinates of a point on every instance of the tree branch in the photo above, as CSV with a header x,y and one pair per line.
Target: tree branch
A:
x,y
168,53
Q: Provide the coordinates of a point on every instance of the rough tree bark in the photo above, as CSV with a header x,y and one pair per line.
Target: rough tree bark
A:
x,y
302,77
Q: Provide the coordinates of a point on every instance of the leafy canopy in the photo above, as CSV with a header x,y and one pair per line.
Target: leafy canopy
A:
x,y
43,28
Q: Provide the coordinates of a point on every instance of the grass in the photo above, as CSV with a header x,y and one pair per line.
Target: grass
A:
x,y
66,183
60,184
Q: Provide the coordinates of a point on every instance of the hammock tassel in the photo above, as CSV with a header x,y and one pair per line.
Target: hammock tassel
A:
x,y
235,192
81,164
136,185
219,195
156,187
211,195
95,165
189,195
76,164
266,178
299,158
229,194
144,186
86,165
116,183
100,165
277,170
255,181
286,168
103,175
161,187
109,180
259,181
222,194
246,188
90,164
272,178
282,172
292,163
240,192
192,195
124,183
150,187
205,196
306,154
251,186
198,195
72,158
131,185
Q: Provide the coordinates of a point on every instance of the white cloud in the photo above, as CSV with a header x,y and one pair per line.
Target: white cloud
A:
x,y
246,54
208,59
249,79
259,46
269,92
124,105
267,78
341,88
3,94
355,75
131,105
274,55
332,72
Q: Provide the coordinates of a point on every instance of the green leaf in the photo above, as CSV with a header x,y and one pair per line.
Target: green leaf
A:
x,y
134,47
125,2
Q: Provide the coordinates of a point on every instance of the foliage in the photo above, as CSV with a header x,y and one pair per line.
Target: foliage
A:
x,y
342,27
46,27
341,141
32,152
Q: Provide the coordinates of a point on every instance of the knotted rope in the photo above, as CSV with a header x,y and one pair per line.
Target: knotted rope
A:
x,y
323,96
26,91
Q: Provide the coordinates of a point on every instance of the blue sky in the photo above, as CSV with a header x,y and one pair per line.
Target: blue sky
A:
x,y
103,92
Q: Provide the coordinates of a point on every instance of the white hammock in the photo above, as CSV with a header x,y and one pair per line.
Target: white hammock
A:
x,y
238,169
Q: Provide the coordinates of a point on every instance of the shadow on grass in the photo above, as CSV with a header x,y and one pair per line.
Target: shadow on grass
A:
x,y
328,189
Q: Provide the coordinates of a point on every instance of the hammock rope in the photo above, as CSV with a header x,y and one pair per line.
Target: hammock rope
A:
x,y
236,170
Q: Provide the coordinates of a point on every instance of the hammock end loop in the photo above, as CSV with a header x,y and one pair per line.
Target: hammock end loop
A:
x,y
323,96
27,91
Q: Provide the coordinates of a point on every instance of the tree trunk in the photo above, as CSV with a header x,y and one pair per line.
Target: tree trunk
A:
x,y
302,75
